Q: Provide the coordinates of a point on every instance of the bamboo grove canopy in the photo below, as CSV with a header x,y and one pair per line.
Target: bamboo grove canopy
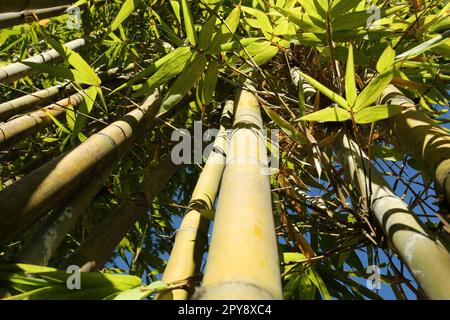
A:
x,y
280,149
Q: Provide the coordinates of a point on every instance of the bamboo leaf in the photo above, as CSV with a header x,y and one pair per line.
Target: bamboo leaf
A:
x,y
421,48
304,21
350,83
371,92
386,59
293,133
206,33
168,70
84,109
328,114
376,113
210,82
141,292
190,76
327,92
188,22
226,30
127,8
62,72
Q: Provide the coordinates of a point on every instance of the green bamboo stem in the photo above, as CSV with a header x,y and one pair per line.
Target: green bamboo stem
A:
x,y
100,245
425,256
24,126
425,140
17,70
21,104
243,260
192,236
46,188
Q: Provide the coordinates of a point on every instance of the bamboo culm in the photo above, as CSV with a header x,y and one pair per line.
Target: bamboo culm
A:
x,y
243,260
425,256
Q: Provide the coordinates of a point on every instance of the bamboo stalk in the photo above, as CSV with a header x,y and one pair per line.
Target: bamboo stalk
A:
x,y
243,260
24,126
425,256
21,104
419,135
45,240
46,188
192,236
11,18
20,5
100,245
17,70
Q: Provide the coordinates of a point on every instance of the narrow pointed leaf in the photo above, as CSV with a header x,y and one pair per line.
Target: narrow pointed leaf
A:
x,y
371,92
327,92
350,83
328,114
188,22
380,112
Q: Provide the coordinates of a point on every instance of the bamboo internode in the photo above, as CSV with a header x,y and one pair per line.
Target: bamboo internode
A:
x,y
427,142
21,104
17,70
243,260
100,245
24,126
192,236
46,188
425,256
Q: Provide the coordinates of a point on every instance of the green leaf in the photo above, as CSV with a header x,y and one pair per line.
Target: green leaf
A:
x,y
293,133
62,72
386,59
127,8
141,292
74,59
315,277
85,108
372,91
178,53
327,92
206,33
210,82
262,20
188,22
190,76
176,9
305,22
226,30
168,70
421,48
350,83
376,113
328,114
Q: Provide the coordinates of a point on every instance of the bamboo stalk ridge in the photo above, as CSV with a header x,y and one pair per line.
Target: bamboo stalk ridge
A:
x,y
427,142
21,104
243,260
192,236
17,70
21,5
46,188
24,126
425,256
46,239
100,245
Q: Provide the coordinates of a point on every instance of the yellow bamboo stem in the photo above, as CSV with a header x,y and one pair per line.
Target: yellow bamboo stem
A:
x,y
192,236
243,260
